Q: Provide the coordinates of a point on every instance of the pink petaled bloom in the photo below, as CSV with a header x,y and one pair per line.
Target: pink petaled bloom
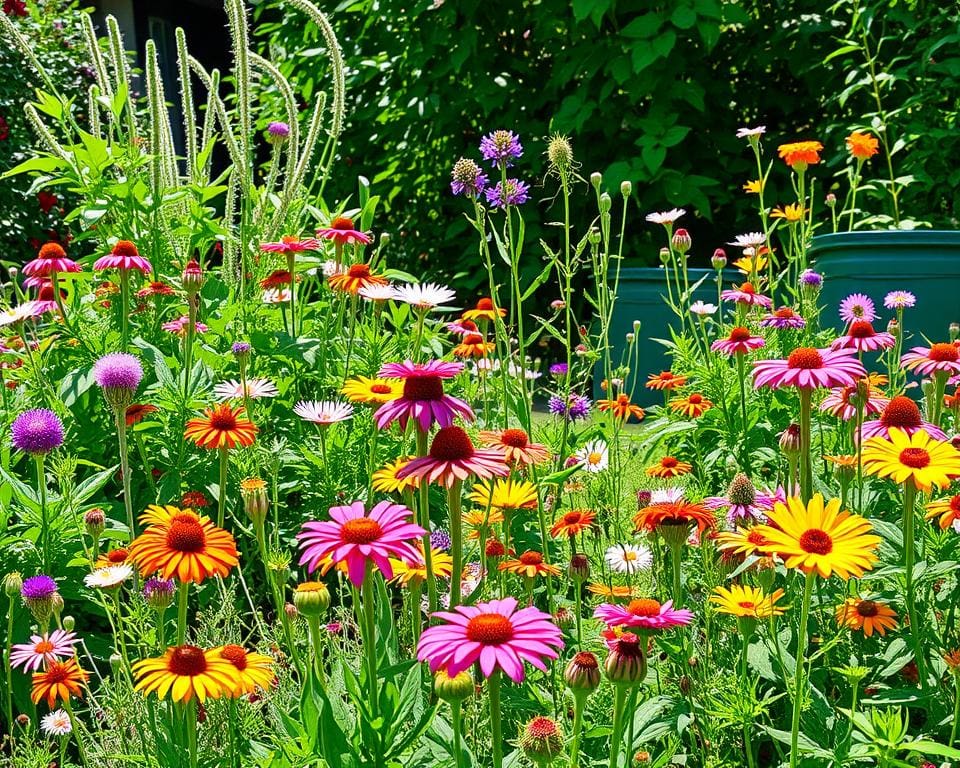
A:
x,y
179,326
462,327
739,342
495,634
453,458
423,398
124,256
51,258
741,513
938,358
643,614
353,537
857,306
289,244
341,232
783,318
904,414
861,337
43,649
746,294
809,368
838,404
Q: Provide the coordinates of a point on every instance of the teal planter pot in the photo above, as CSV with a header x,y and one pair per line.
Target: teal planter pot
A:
x,y
640,297
924,262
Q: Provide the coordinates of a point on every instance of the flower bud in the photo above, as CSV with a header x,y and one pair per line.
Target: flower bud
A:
x,y
582,674
158,593
22,720
831,200
12,584
453,689
631,337
290,611
664,256
682,241
719,259
636,326
605,203
560,153
312,598
541,740
384,238
893,326
564,619
644,497
95,521
810,284
596,179
790,441
69,623
192,278
626,663
954,331
253,491
626,188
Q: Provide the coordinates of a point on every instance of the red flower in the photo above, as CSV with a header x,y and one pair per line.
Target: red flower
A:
x,y
46,200
14,8
4,129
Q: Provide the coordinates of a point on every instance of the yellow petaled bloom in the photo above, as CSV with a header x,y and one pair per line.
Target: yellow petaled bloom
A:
x,y
790,213
917,459
505,494
614,591
742,541
947,509
750,264
753,187
820,538
363,389
746,602
404,573
385,480
529,565
254,670
866,615
479,519
185,671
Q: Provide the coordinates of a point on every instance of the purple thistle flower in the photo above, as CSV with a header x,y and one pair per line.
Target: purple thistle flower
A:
x,y
118,370
576,407
440,539
811,278
467,179
501,147
37,432
39,587
899,300
857,306
241,348
277,132
516,193
158,592
559,369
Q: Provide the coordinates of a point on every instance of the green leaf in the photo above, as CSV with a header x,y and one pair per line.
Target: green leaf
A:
x,y
684,17
933,748
44,164
643,26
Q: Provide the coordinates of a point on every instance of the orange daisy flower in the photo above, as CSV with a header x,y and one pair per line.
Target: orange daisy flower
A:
x,y
610,592
693,406
665,380
222,427
277,279
622,408
669,467
742,541
674,513
483,311
573,522
113,557
58,682
529,565
185,545
135,413
356,277
516,446
947,509
862,146
799,154
473,345
866,615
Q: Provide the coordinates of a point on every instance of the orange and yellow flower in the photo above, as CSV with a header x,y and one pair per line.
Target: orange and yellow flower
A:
x,y
742,541
222,427
185,545
621,408
363,389
473,345
917,459
516,446
185,671
573,522
385,479
674,513
753,186
665,380
669,467
253,670
58,682
693,406
744,601
866,615
862,146
483,311
799,154
357,276
529,565
790,213
947,509
610,591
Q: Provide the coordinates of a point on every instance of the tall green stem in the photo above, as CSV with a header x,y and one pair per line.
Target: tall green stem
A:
x,y
456,542
798,681
806,460
423,509
124,309
44,523
496,732
456,708
222,488
619,704
579,702
183,600
370,639
909,556
121,419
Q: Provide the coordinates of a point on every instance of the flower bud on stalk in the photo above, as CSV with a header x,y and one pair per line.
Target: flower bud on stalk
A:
x,y
719,259
311,598
253,491
541,740
626,663
453,689
582,674
682,241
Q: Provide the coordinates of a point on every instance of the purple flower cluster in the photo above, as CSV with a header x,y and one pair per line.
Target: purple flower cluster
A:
x,y
37,432
158,592
39,587
118,370
440,539
516,192
810,278
559,370
501,147
575,407
241,348
467,178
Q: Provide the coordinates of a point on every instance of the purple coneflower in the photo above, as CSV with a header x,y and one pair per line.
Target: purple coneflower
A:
x,y
861,337
857,306
739,342
453,458
42,649
125,257
746,294
50,259
782,318
423,398
809,368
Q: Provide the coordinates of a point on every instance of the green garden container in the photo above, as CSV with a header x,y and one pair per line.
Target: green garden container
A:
x,y
924,262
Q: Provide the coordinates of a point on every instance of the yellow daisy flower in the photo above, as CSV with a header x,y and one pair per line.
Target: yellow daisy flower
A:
x,y
917,459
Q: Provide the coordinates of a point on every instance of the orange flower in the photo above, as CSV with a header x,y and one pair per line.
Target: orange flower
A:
x,y
665,380
136,412
529,565
483,311
866,615
113,557
862,146
59,681
185,545
516,446
277,279
611,592
473,345
622,408
673,513
799,154
356,277
573,522
669,467
947,509
692,406
222,427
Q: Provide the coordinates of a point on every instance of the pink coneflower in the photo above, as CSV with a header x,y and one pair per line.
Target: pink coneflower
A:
x,y
157,288
453,458
643,614
938,358
51,258
290,244
462,327
342,232
743,502
423,398
43,649
900,412
838,402
809,368
124,256
783,318
179,326
355,538
861,337
739,342
495,634
746,294
857,306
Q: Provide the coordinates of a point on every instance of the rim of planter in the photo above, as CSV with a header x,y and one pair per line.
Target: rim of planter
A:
x,y
887,238
653,274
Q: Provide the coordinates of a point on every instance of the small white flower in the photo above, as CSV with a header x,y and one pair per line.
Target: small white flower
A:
x,y
746,133
233,389
594,456
109,577
628,558
529,372
323,412
665,217
749,240
702,308
57,723
20,313
378,292
424,295
276,296
666,496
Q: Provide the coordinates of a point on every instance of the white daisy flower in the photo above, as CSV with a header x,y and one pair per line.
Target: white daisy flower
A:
x,y
323,412
628,558
20,313
276,296
665,217
749,240
109,577
594,456
377,292
702,308
746,133
57,723
256,388
424,295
